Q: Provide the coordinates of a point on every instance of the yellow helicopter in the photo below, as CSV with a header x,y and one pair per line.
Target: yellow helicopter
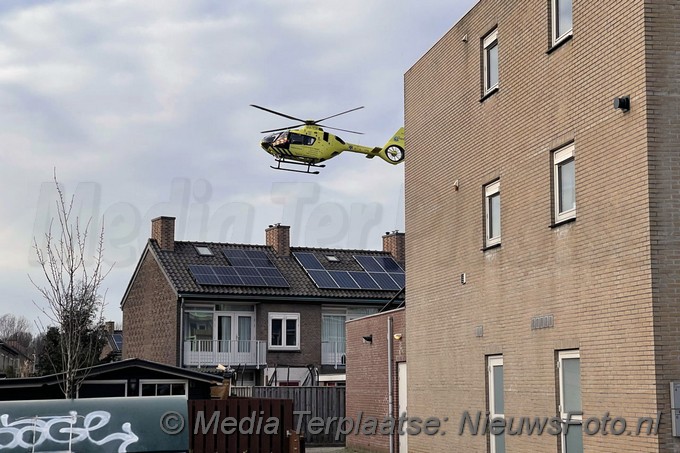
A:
x,y
307,144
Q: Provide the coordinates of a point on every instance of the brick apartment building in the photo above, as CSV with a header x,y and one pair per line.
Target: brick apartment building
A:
x,y
543,225
274,313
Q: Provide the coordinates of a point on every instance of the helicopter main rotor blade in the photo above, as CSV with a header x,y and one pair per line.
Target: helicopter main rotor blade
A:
x,y
338,114
343,130
282,128
277,113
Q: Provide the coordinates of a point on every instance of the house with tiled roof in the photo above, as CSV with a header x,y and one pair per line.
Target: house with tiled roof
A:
x,y
273,313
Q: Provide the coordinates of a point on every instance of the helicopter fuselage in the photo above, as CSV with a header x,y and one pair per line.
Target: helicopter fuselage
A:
x,y
309,144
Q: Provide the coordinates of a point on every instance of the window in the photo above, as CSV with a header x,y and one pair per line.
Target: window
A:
x,y
496,401
203,250
492,213
284,331
490,62
569,369
102,389
162,388
564,183
333,335
561,20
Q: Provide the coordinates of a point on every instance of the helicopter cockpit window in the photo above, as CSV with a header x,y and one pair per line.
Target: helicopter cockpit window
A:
x,y
281,139
299,139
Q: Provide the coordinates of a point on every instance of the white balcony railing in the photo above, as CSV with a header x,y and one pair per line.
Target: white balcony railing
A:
x,y
333,353
202,353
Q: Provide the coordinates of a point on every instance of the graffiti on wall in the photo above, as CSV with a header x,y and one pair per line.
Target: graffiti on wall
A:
x,y
72,430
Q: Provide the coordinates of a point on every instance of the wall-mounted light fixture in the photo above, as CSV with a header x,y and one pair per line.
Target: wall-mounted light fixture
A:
x,y
368,338
397,336
622,103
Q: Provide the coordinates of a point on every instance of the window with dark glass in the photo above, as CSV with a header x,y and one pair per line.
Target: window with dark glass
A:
x,y
284,331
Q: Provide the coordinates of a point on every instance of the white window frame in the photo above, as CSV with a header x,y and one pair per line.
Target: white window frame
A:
x,y
491,190
284,317
491,362
554,7
164,381
487,43
561,156
574,419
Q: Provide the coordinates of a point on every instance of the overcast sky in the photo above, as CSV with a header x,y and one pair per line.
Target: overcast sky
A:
x,y
142,107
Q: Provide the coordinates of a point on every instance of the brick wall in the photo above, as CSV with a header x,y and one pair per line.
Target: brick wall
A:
x,y
593,275
367,390
662,26
310,334
150,316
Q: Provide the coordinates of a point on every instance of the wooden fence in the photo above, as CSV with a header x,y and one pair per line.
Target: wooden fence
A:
x,y
323,402
246,428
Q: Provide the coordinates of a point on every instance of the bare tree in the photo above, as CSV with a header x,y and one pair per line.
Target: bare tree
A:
x,y
16,328
71,290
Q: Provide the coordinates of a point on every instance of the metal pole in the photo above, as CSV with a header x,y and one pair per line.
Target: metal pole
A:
x,y
390,392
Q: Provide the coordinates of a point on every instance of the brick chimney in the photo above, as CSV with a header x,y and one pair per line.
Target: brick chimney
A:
x,y
163,231
278,237
395,243
110,326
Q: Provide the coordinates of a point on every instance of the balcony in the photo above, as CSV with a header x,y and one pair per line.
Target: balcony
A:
x,y
333,353
209,353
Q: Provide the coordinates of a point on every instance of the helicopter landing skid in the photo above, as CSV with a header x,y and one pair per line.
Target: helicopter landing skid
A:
x,y
309,166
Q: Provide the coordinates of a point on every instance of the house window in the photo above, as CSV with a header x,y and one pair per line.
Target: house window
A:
x,y
569,369
492,213
284,331
496,401
490,44
561,20
564,183
162,388
333,335
102,389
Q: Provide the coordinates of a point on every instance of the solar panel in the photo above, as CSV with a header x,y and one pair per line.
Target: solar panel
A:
x,y
256,255
322,278
343,279
224,270
253,280
369,264
235,253
246,271
388,264
399,278
380,273
275,281
117,340
258,262
248,268
245,262
364,280
384,280
308,261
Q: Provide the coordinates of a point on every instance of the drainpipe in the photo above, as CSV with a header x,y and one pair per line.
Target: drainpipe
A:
x,y
390,392
181,332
